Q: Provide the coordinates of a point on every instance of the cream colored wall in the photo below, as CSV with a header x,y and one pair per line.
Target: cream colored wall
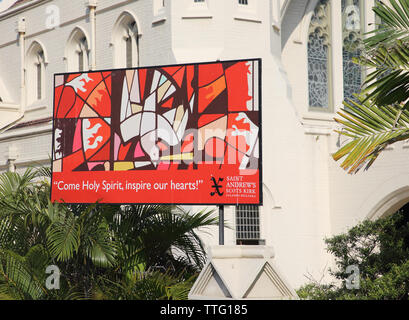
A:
x,y
307,196
350,198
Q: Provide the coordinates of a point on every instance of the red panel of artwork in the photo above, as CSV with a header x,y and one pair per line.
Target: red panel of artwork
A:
x,y
185,134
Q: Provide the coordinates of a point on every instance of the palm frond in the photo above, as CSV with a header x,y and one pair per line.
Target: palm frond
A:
x,y
394,27
372,129
63,237
387,83
16,280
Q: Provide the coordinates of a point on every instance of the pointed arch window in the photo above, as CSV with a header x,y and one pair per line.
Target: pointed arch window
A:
x,y
130,46
35,73
352,31
125,42
319,58
82,54
77,51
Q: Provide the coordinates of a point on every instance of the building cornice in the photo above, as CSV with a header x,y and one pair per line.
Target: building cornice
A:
x,y
16,10
28,128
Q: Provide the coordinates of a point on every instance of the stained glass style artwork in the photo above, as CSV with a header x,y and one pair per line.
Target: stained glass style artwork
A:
x,y
188,123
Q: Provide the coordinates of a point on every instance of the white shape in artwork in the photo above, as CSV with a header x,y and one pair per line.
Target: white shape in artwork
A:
x,y
148,122
128,110
57,144
130,127
256,150
251,136
125,105
150,103
155,82
250,85
244,162
171,90
135,95
79,82
256,86
140,164
89,132
170,115
166,132
59,80
182,126
192,102
148,144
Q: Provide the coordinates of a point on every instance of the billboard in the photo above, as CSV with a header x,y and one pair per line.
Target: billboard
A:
x,y
180,134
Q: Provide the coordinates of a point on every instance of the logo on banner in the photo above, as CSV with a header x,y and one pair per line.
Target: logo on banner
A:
x,y
217,187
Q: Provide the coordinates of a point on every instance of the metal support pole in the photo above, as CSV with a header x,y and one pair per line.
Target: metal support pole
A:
x,y
221,225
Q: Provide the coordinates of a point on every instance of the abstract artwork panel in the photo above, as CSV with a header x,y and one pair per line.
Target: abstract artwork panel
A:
x,y
163,123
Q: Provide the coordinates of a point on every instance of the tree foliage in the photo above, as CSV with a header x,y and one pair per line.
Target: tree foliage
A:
x,y
102,251
380,115
380,249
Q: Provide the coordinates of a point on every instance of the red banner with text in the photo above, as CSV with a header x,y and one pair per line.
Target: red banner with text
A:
x,y
184,134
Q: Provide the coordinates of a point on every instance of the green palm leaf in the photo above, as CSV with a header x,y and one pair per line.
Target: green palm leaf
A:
x,y
394,27
372,129
380,117
63,237
16,279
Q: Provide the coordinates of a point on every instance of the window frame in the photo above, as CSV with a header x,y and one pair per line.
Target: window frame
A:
x,y
125,27
77,43
35,70
363,24
330,87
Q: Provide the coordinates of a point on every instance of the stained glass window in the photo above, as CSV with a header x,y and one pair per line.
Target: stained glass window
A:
x,y
318,57
352,21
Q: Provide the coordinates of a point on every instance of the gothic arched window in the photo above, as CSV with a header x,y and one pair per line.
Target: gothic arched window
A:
x,y
35,73
352,30
77,52
125,42
319,57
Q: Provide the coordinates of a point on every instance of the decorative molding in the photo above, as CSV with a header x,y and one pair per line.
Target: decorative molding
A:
x,y
351,22
320,23
198,10
9,106
36,107
28,130
318,131
158,20
241,273
247,18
